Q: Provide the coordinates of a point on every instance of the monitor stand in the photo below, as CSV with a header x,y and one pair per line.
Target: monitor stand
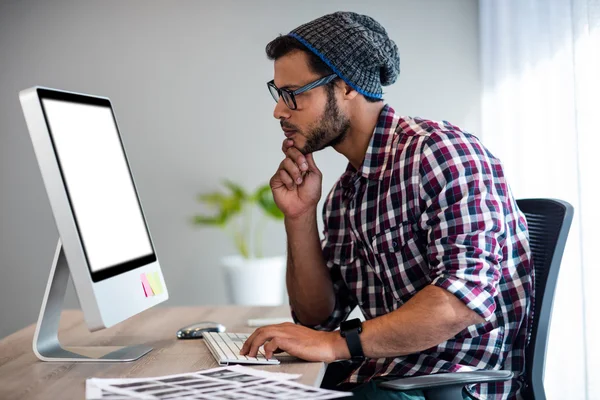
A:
x,y
46,345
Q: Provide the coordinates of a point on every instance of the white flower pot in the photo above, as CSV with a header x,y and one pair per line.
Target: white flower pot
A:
x,y
257,281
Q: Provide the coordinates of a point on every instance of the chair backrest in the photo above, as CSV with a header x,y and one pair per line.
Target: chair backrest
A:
x,y
549,221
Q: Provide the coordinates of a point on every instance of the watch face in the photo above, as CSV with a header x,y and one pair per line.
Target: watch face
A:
x,y
351,324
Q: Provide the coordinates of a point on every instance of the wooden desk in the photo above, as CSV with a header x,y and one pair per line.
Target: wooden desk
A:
x,y
23,376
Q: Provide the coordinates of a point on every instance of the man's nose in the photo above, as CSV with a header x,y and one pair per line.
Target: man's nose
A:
x,y
281,111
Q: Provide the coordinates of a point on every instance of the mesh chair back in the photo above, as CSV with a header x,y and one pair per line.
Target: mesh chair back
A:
x,y
549,222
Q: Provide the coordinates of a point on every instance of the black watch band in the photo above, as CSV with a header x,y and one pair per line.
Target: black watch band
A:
x,y
351,330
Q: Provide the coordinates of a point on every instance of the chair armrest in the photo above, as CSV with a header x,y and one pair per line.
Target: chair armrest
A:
x,y
447,379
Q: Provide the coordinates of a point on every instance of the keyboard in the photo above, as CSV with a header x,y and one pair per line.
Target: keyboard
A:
x,y
225,348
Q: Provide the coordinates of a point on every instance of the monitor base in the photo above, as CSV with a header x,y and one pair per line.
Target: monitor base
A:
x,y
46,345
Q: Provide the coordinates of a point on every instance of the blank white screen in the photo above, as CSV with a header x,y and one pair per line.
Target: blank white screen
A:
x,y
102,194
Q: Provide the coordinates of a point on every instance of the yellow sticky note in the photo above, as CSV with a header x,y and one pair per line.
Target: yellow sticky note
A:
x,y
155,282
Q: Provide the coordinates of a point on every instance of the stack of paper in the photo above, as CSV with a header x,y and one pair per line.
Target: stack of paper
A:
x,y
234,382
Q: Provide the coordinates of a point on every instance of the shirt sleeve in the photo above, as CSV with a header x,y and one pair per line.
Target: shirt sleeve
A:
x,y
464,219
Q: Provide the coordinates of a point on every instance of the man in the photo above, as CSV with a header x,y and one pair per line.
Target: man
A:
x,y
421,231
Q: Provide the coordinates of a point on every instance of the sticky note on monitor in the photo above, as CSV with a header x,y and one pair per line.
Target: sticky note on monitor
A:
x,y
155,282
146,286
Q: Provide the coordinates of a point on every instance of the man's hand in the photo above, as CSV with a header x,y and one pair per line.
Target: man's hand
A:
x,y
298,341
296,185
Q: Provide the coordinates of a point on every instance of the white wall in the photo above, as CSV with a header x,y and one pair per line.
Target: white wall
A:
x,y
187,80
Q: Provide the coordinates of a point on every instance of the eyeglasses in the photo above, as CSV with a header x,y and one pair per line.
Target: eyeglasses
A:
x,y
289,96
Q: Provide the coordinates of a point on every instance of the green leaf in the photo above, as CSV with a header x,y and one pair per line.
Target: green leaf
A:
x,y
231,206
226,205
206,220
212,199
237,190
265,200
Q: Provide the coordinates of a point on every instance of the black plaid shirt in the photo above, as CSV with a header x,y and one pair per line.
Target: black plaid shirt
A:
x,y
430,206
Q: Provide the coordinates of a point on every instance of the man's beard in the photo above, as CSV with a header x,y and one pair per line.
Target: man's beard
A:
x,y
331,129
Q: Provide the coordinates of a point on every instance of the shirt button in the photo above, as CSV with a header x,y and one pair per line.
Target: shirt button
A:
x,y
395,244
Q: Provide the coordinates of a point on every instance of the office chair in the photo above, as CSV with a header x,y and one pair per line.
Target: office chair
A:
x,y
549,222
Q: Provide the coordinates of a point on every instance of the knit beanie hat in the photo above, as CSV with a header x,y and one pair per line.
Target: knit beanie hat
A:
x,y
356,47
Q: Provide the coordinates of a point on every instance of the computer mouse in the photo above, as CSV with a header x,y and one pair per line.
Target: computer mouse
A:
x,y
195,331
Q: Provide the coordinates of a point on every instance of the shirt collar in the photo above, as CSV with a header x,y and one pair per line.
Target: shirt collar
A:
x,y
380,147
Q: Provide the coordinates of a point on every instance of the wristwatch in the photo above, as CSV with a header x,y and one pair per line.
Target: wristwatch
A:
x,y
350,330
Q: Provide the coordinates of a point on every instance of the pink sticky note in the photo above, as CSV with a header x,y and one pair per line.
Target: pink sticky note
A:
x,y
147,288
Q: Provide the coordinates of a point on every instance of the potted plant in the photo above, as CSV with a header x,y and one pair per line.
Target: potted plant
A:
x,y
251,278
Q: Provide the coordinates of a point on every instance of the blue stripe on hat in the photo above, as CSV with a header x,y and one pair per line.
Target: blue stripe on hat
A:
x,y
326,61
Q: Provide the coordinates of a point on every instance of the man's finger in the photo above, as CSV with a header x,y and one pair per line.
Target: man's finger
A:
x,y
271,347
246,347
292,169
287,143
259,340
287,180
284,176
299,159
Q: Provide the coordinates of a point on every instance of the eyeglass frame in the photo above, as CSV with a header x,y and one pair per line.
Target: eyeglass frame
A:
x,y
292,93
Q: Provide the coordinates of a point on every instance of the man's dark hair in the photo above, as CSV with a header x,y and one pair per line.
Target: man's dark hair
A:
x,y
283,45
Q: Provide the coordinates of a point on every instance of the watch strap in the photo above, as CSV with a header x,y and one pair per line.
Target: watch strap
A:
x,y
354,345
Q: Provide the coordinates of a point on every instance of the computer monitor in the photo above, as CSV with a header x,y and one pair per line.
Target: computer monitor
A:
x,y
104,242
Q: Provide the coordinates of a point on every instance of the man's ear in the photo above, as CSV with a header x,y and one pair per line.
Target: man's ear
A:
x,y
349,92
